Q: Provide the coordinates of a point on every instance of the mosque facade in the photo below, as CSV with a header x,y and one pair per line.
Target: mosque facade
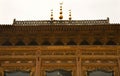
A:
x,y
60,47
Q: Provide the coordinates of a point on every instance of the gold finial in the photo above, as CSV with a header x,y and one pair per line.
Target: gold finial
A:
x,y
70,15
108,19
14,21
61,3
51,14
61,16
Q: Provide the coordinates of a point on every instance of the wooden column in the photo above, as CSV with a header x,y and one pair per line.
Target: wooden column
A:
x,y
38,63
1,72
78,67
118,60
118,66
78,62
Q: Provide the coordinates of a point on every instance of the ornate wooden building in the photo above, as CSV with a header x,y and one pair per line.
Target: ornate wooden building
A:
x,y
60,48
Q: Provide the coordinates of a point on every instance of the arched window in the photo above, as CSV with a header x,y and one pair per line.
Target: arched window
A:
x,y
20,43
46,42
110,42
84,42
7,43
58,42
100,73
59,72
33,42
17,73
71,42
97,42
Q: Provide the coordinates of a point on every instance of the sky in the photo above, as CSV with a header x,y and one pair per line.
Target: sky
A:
x,y
40,10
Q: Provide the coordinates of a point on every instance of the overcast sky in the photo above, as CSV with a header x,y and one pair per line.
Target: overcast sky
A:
x,y
40,10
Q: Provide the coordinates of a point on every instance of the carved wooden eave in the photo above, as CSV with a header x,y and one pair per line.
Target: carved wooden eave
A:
x,y
64,28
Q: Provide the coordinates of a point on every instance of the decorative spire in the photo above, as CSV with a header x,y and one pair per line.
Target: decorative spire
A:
x,y
14,21
61,16
51,14
70,15
108,19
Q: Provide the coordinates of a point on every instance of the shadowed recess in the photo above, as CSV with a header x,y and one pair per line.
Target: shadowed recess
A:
x,y
97,42
7,43
33,42
71,42
58,42
46,42
84,42
110,42
19,43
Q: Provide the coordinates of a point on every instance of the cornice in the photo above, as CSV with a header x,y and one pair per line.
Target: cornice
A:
x,y
62,28
74,47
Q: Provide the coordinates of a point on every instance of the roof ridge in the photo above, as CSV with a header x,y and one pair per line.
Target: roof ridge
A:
x,y
5,24
63,20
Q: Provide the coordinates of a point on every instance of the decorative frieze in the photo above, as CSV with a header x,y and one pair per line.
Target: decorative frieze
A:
x,y
84,58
